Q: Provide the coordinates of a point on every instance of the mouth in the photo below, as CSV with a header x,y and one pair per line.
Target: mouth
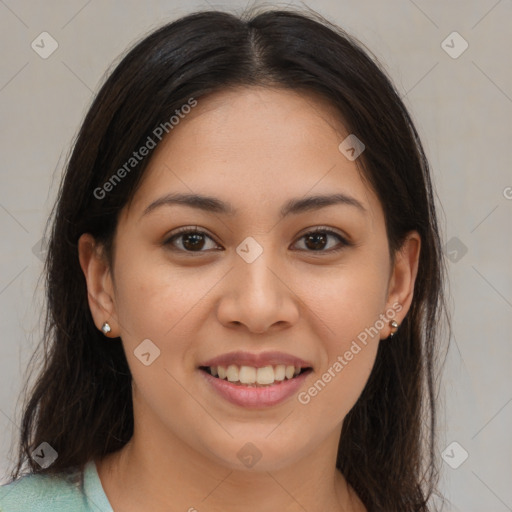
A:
x,y
255,380
256,377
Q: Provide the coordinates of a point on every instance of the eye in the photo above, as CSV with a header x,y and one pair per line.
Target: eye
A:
x,y
192,240
317,239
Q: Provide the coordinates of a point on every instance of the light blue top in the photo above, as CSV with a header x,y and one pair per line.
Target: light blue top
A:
x,y
48,493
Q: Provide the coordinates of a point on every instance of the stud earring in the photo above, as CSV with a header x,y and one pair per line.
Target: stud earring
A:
x,y
105,328
394,326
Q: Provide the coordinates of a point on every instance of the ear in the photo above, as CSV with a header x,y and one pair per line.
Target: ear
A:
x,y
402,279
100,289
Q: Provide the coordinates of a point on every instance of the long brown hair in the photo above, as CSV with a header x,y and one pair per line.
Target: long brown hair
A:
x,y
81,402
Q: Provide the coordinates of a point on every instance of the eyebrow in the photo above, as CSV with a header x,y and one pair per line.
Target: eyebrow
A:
x,y
293,206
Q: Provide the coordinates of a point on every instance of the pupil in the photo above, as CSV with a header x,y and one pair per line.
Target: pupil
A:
x,y
197,239
314,238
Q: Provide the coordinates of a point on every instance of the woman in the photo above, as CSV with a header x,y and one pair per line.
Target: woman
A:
x,y
244,283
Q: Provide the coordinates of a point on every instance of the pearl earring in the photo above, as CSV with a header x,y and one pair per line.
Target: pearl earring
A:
x,y
394,326
106,328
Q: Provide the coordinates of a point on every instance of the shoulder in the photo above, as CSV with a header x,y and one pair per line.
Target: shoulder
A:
x,y
43,493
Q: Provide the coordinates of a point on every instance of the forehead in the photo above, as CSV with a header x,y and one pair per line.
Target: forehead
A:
x,y
254,145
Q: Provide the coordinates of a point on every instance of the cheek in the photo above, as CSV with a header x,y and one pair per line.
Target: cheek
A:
x,y
349,305
348,299
332,393
164,305
153,298
349,349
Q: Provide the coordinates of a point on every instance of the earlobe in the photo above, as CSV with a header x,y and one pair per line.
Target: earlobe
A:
x,y
99,284
403,278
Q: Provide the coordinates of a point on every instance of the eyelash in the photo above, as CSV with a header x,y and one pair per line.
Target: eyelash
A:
x,y
194,231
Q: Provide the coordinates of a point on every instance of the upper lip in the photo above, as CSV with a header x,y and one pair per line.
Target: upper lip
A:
x,y
258,360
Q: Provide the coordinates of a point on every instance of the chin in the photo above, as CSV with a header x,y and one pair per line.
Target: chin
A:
x,y
259,454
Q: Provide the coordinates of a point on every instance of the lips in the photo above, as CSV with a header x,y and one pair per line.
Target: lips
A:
x,y
255,396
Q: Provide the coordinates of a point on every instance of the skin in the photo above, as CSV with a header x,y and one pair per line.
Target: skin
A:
x,y
255,148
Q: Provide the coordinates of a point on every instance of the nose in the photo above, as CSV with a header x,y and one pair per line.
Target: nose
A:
x,y
259,296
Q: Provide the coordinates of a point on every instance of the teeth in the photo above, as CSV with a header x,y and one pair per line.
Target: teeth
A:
x,y
279,372
232,373
265,375
247,375
250,375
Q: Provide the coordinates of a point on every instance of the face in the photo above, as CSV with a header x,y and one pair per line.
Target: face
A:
x,y
251,284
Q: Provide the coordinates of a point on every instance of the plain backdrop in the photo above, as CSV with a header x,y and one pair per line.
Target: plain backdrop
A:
x,y
461,101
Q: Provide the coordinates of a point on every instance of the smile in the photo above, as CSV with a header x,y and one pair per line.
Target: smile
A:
x,y
252,376
255,394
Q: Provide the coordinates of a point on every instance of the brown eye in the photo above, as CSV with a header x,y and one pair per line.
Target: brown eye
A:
x,y
318,239
192,240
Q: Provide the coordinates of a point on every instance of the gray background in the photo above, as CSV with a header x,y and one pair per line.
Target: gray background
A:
x,y
462,108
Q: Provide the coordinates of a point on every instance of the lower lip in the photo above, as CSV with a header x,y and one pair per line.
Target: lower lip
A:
x,y
256,397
